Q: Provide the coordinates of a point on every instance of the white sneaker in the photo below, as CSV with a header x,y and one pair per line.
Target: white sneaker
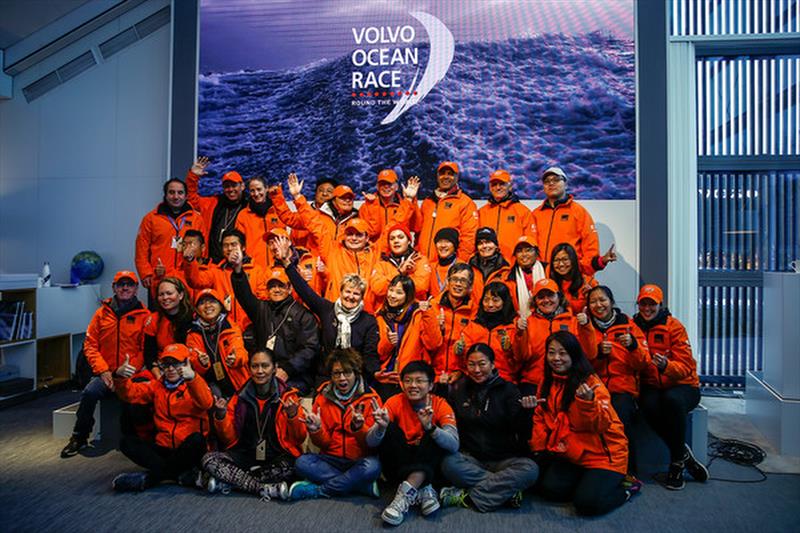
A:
x,y
275,490
428,500
213,485
404,498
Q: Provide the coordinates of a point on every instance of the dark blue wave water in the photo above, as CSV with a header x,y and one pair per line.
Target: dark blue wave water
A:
x,y
522,104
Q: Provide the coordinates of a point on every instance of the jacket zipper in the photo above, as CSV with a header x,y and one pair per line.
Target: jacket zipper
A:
x,y
169,414
605,446
433,230
549,232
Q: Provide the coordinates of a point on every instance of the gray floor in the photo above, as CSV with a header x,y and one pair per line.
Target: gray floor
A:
x,y
41,492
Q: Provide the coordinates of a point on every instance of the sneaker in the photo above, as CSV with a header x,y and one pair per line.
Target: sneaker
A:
x,y
271,491
674,479
372,490
73,446
453,497
213,485
515,501
695,468
405,497
130,482
632,486
304,490
428,500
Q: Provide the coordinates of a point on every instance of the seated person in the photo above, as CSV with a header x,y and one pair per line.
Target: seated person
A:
x,y
338,425
415,430
181,400
578,438
261,434
490,469
116,331
281,325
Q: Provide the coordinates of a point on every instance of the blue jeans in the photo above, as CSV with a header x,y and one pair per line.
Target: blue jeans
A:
x,y
94,391
337,475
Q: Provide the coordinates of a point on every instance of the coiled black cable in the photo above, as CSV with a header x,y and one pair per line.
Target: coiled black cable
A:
x,y
737,452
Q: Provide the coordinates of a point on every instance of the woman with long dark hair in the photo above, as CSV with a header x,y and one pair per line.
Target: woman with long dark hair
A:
x,y
578,439
257,220
565,270
497,314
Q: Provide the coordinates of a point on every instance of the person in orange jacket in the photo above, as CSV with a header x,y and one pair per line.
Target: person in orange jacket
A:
x,y
456,309
181,400
338,424
504,213
301,238
487,262
379,209
446,242
219,212
622,354
160,232
560,218
115,332
407,331
169,323
497,314
261,432
216,345
578,440
670,386
549,313
566,272
523,274
257,220
218,276
400,259
448,207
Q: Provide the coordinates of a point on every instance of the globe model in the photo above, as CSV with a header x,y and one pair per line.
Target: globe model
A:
x,y
86,266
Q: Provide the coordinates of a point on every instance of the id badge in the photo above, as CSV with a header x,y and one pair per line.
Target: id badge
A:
x,y
261,450
219,372
271,343
175,242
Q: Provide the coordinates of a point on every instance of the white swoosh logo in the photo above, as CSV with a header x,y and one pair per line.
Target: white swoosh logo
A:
x,y
442,48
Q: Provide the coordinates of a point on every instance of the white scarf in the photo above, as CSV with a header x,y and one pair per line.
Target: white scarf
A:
x,y
344,318
523,294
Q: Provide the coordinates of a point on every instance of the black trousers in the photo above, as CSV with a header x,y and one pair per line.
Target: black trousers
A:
x,y
399,459
665,410
593,491
164,463
625,406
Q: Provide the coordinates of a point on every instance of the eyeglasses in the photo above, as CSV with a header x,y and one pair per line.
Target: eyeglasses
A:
x,y
164,366
409,382
552,181
561,260
459,281
342,373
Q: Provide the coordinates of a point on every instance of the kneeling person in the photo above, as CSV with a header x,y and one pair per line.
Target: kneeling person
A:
x,y
338,426
415,430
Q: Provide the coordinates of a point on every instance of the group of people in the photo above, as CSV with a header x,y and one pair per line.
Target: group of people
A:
x,y
466,354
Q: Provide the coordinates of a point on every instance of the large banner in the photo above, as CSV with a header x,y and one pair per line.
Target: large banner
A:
x,y
346,88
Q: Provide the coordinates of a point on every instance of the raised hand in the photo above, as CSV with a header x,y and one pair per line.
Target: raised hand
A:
x,y
627,339
530,402
380,415
235,259
147,281
321,266
392,336
440,318
220,407
290,407
313,421
199,166
186,371
126,369
283,249
660,360
408,264
369,196
357,420
411,188
424,305
230,359
295,185
585,392
425,416
605,345
610,256
202,357
583,317
522,324
160,269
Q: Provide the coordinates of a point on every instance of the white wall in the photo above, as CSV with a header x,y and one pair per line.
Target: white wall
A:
x,y
81,165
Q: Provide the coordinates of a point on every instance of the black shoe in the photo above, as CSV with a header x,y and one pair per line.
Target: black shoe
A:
x,y
674,479
695,468
131,482
73,446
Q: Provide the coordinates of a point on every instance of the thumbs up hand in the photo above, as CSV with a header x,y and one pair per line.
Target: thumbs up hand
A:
x,y
583,317
126,369
160,269
187,372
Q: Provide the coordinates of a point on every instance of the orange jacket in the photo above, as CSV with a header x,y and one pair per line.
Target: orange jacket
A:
x,y
667,336
569,222
510,279
301,237
177,413
509,219
422,337
588,434
218,277
157,238
438,278
460,332
110,337
578,303
501,274
160,327
380,215
456,210
531,343
403,414
255,229
620,371
382,273
335,436
321,223
229,341
237,429
506,359
338,259
204,204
